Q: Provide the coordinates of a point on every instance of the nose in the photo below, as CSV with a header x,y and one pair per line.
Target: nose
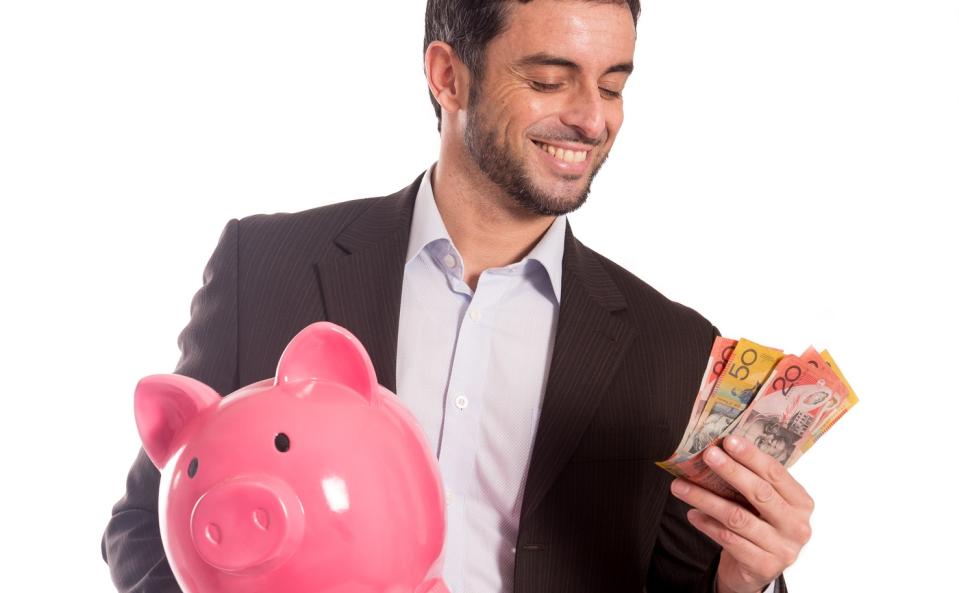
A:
x,y
586,112
247,525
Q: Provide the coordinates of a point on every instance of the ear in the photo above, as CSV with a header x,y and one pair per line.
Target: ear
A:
x,y
324,351
447,76
163,405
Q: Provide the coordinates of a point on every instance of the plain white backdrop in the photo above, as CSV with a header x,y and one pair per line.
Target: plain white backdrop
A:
x,y
789,169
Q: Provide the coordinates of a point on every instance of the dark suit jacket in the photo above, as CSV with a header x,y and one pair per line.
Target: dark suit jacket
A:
x,y
597,514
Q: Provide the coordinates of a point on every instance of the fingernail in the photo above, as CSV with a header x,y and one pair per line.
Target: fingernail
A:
x,y
680,487
714,456
733,443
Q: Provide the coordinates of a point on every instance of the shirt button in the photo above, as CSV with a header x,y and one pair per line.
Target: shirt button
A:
x,y
449,498
462,402
449,260
475,314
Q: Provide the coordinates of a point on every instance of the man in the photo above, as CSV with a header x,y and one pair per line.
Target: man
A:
x,y
548,378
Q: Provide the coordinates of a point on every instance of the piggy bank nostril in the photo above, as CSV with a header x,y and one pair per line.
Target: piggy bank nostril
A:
x,y
282,442
213,533
261,519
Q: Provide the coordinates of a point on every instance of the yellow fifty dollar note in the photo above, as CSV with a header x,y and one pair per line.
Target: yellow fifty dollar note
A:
x,y
748,367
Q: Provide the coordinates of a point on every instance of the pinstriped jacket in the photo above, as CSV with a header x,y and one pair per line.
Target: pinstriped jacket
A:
x,y
597,514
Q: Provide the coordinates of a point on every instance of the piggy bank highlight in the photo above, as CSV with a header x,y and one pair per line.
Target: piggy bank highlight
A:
x,y
317,481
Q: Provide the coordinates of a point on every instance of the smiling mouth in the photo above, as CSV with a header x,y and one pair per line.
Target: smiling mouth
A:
x,y
564,154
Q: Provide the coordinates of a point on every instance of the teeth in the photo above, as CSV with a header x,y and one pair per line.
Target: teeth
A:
x,y
565,155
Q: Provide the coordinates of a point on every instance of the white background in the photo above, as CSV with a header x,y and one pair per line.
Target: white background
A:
x,y
789,169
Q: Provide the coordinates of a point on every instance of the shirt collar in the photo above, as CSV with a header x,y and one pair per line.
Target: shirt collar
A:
x,y
427,226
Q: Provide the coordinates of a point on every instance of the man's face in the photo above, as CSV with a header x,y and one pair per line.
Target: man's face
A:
x,y
549,106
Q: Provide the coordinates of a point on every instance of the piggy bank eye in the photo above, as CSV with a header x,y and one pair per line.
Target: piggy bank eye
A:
x,y
282,442
194,465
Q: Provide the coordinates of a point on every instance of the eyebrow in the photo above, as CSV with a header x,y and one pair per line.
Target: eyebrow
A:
x,y
545,59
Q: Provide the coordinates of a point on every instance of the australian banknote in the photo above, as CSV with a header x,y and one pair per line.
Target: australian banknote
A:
x,y
745,372
782,404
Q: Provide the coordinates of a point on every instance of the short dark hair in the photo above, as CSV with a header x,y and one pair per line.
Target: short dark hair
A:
x,y
469,25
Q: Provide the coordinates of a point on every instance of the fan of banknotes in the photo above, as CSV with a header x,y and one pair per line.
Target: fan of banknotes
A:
x,y
782,403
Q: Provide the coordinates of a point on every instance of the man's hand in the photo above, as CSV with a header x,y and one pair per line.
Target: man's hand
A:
x,y
759,543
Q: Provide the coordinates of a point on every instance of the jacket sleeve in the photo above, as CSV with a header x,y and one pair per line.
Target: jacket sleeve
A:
x,y
683,558
131,543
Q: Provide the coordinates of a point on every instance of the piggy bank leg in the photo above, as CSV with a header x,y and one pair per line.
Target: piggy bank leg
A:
x,y
432,586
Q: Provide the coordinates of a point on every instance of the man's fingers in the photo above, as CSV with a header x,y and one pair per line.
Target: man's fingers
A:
x,y
763,496
758,544
762,565
789,520
731,516
770,470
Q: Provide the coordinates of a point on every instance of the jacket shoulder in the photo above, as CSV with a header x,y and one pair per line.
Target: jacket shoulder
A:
x,y
646,303
319,224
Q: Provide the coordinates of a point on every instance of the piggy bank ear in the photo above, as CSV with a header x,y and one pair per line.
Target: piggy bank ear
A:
x,y
326,352
163,405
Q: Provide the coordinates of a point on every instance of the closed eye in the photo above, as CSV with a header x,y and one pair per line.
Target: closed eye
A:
x,y
544,86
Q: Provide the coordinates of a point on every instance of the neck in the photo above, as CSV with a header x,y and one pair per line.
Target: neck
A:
x,y
488,228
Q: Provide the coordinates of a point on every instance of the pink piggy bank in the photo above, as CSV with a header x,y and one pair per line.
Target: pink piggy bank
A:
x,y
318,481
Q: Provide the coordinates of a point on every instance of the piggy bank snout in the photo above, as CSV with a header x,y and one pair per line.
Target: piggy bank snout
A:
x,y
247,525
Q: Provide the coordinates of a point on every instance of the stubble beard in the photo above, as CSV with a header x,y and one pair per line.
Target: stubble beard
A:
x,y
494,160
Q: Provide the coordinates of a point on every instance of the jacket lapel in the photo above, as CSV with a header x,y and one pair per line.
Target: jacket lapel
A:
x,y
589,346
362,287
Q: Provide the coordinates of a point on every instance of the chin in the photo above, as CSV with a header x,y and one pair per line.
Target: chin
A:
x,y
552,200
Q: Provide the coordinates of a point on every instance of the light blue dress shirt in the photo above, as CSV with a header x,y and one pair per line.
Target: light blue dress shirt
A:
x,y
472,368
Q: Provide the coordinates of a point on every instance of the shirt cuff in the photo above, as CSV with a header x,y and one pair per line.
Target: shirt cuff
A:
x,y
772,588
